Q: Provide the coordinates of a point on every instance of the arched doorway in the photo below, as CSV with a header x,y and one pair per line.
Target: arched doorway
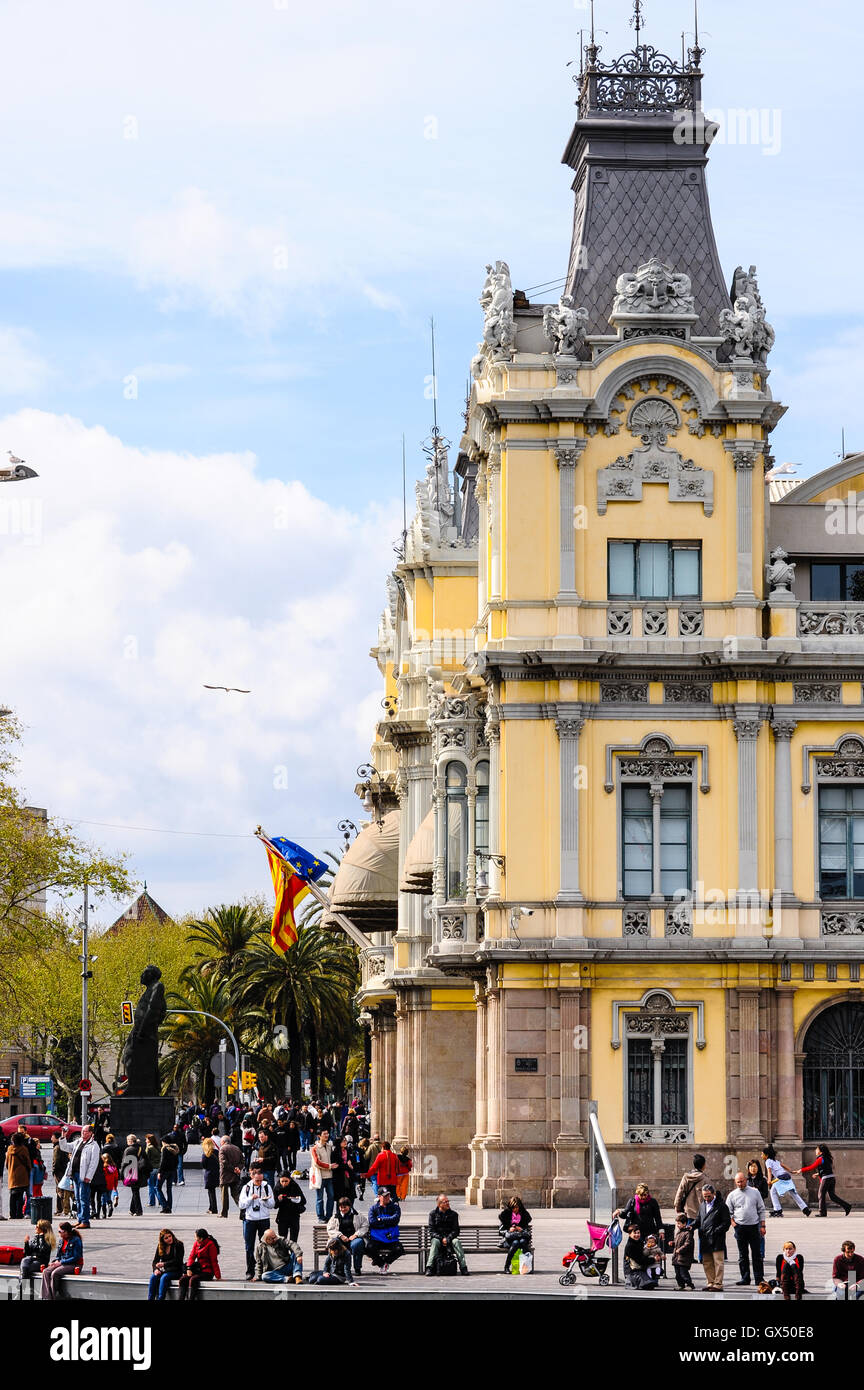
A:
x,y
834,1074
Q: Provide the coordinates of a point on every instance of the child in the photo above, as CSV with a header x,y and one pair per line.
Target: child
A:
x,y
683,1252
790,1272
109,1191
336,1266
654,1267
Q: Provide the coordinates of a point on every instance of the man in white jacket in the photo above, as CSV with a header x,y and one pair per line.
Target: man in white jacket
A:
x,y
85,1159
256,1203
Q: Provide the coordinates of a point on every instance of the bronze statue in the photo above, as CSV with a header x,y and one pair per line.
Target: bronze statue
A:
x,y
141,1053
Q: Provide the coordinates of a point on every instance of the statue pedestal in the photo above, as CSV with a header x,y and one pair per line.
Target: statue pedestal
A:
x,y
140,1115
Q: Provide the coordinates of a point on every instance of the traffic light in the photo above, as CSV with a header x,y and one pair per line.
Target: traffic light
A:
x,y
250,1080
126,1013
232,1081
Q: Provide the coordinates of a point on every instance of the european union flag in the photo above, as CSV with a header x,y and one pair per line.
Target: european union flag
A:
x,y
304,864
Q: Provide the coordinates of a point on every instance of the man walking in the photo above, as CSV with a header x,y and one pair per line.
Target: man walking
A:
x,y
230,1171
256,1203
712,1223
747,1210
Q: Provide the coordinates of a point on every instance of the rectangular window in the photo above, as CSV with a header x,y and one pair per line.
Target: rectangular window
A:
x,y
640,1082
638,841
837,583
654,569
841,842
673,1082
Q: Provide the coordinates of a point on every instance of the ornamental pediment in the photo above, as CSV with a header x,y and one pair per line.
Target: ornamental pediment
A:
x,y
623,480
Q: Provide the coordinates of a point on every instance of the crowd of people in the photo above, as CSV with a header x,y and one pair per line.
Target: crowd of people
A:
x,y
703,1213
249,1157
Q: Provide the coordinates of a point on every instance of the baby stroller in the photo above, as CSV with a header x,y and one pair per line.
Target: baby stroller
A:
x,y
586,1260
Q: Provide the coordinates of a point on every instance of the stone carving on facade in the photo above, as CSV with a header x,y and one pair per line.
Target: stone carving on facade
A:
x,y
453,928
654,290
814,621
783,729
664,769
655,622
746,331
847,763
496,300
746,727
455,721
636,922
624,693
653,420
687,692
619,622
376,965
817,693
780,573
846,922
679,920
655,463
564,327
691,622
569,728
657,1018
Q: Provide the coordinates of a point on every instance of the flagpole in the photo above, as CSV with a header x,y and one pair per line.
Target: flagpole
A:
x,y
345,923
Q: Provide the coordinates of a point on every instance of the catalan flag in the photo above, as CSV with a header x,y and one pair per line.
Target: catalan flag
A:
x,y
292,869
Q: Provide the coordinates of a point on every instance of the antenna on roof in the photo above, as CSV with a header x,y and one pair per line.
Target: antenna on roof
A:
x,y
843,442
435,414
592,23
696,21
404,496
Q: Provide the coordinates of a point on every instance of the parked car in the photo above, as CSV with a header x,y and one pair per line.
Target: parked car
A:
x,y
41,1127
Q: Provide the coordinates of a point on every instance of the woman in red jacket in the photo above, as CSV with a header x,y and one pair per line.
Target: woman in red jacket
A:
x,y
385,1170
202,1265
824,1166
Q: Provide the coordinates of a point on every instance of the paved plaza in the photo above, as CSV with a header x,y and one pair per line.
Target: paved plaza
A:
x,y
123,1246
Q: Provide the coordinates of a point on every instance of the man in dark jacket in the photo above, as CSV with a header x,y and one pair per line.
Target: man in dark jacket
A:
x,y
230,1173
444,1233
712,1223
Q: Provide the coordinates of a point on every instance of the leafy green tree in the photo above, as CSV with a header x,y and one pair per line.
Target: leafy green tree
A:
x,y
223,937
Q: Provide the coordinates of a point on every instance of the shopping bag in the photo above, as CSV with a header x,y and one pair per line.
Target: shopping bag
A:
x,y
314,1176
526,1262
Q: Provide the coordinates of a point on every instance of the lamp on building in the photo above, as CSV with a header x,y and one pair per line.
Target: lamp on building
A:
x,y
373,792
483,868
345,827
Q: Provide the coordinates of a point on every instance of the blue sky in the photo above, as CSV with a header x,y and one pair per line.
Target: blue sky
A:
x,y
252,209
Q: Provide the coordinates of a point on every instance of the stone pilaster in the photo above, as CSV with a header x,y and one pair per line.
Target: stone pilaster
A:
x,y
566,456
744,457
784,1053
783,857
568,745
747,724
749,1100
569,1185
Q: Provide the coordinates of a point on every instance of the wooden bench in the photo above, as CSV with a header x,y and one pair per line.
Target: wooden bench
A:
x,y
416,1240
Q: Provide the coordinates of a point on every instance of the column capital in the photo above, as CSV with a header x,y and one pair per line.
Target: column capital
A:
x,y
783,728
744,452
569,728
568,452
747,726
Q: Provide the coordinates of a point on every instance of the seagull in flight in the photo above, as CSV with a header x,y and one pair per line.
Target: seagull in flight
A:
x,y
781,468
228,689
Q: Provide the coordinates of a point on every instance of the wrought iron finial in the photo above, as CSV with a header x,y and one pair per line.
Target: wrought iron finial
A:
x,y
345,827
637,19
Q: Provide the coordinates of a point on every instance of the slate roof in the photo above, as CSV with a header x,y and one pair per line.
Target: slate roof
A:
x,y
143,908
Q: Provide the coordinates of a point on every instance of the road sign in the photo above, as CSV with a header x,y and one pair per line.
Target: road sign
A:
x,y
126,1013
5,1087
36,1088
85,1085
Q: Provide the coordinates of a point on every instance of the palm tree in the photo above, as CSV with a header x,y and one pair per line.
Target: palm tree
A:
x,y
226,934
308,988
191,1039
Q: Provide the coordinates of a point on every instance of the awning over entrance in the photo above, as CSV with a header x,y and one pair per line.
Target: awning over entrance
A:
x,y
365,888
420,859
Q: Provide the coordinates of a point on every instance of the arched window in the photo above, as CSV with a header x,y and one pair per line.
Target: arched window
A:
x,y
481,810
834,1074
456,865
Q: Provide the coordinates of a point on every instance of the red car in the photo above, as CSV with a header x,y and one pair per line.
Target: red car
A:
x,y
41,1127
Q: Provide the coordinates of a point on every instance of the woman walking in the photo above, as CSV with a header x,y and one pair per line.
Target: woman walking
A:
x,y
824,1166
134,1170
168,1160
167,1265
152,1153
210,1164
781,1182
18,1168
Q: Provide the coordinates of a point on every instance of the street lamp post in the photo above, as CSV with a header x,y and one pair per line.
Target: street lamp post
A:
x,y
86,975
222,1024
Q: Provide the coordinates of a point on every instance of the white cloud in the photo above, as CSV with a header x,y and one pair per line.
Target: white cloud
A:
x,y
157,573
23,371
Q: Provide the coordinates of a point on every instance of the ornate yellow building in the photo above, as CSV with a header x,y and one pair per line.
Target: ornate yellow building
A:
x,y
624,730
